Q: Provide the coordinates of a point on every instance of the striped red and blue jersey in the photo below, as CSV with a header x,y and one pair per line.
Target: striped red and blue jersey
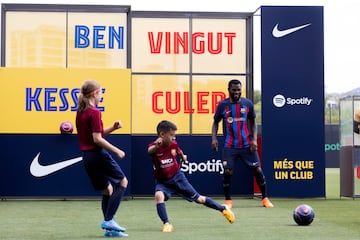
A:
x,y
236,122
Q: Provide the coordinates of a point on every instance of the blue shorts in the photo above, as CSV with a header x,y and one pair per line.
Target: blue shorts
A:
x,y
178,185
101,168
248,157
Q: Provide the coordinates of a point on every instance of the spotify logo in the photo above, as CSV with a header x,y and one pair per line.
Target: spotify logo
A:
x,y
279,100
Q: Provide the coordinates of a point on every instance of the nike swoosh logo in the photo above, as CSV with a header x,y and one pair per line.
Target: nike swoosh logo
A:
x,y
38,170
282,33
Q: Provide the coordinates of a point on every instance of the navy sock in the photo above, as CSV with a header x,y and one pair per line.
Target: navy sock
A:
x,y
227,185
213,204
104,203
114,202
161,210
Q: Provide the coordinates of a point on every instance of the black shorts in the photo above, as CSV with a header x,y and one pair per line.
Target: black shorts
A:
x,y
101,168
231,155
178,185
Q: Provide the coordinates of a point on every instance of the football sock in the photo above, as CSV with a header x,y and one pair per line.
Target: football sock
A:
x,y
212,204
114,202
260,180
161,210
104,203
226,186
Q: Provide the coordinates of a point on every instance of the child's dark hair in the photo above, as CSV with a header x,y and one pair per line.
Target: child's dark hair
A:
x,y
165,126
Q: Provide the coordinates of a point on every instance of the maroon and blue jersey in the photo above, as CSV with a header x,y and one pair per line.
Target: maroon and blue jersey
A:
x,y
236,119
87,122
165,160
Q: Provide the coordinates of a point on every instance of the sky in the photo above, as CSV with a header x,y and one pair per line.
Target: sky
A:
x,y
341,29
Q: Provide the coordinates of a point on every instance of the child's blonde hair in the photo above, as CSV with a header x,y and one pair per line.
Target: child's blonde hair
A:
x,y
86,90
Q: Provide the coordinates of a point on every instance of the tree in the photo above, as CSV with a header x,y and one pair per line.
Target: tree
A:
x,y
257,96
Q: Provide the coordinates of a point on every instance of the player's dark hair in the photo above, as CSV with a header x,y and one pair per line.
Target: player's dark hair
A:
x,y
165,126
233,81
86,90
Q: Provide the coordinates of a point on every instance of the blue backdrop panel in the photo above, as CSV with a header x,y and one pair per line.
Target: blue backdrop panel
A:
x,y
18,151
203,169
292,65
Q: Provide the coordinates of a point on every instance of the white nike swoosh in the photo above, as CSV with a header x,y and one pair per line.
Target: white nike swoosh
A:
x,y
281,33
38,170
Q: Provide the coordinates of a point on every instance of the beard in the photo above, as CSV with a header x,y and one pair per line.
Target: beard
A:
x,y
235,97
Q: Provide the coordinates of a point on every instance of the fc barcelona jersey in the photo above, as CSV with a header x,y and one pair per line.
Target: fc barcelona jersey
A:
x,y
235,118
165,160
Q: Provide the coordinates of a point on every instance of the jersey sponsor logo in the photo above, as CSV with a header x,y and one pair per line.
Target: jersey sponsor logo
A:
x,y
231,119
277,33
165,163
39,170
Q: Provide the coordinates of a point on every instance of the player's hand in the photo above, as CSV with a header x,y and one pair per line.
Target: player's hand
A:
x,y
215,145
183,158
120,154
254,146
117,125
158,142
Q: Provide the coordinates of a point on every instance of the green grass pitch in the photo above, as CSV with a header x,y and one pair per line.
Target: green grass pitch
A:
x,y
335,218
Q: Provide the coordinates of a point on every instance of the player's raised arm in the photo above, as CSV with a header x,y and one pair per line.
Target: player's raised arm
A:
x,y
156,145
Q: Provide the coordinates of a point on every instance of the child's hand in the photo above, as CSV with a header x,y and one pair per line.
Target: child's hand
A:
x,y
117,125
183,158
158,142
120,154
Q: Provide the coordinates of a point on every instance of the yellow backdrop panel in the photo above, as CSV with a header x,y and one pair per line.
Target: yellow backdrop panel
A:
x,y
37,100
156,98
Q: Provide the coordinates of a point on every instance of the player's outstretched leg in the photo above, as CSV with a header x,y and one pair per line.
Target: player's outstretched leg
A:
x,y
228,214
224,209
